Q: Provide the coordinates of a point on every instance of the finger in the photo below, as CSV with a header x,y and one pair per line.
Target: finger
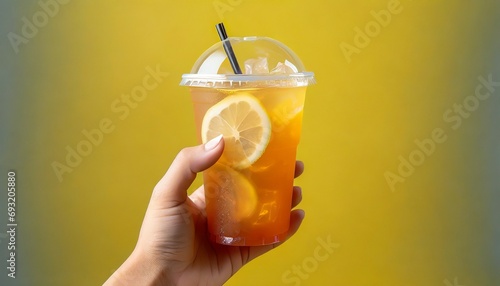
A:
x,y
171,189
198,198
296,196
296,218
299,168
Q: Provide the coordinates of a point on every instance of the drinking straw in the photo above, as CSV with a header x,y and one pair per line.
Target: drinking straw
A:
x,y
228,48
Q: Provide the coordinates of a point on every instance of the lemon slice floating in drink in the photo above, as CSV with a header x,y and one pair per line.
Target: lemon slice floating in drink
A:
x,y
234,189
245,125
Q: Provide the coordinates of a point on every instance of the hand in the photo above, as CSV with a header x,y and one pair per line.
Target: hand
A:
x,y
173,246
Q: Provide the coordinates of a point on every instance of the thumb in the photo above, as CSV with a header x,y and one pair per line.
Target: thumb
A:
x,y
171,189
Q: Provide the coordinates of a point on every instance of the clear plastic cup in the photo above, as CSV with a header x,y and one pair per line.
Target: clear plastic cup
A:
x,y
249,190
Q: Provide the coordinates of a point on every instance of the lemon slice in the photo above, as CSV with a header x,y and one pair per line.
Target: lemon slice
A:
x,y
246,128
233,188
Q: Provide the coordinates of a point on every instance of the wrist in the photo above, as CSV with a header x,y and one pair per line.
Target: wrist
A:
x,y
140,269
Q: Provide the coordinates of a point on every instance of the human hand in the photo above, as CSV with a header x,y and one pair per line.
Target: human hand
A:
x,y
173,246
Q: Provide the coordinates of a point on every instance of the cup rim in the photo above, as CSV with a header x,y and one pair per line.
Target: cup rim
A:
x,y
297,79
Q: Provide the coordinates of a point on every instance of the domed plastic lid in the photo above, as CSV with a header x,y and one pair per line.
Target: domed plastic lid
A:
x,y
264,62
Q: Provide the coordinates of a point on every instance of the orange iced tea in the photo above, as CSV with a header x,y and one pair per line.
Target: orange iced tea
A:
x,y
249,190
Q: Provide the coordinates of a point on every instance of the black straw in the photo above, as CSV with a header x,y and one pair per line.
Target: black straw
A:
x,y
228,48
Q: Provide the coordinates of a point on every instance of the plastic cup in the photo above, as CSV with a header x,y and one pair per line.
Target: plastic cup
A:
x,y
249,190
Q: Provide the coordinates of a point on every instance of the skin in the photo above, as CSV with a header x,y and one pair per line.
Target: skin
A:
x,y
173,246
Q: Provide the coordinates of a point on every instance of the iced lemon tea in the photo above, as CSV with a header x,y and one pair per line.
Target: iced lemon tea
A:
x,y
248,191
248,196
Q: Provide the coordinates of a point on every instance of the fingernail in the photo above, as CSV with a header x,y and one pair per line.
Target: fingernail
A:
x,y
213,143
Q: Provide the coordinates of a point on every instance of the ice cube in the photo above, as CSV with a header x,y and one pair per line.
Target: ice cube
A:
x,y
256,66
268,213
282,68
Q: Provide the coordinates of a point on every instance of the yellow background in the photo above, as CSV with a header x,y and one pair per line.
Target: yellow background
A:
x,y
438,227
